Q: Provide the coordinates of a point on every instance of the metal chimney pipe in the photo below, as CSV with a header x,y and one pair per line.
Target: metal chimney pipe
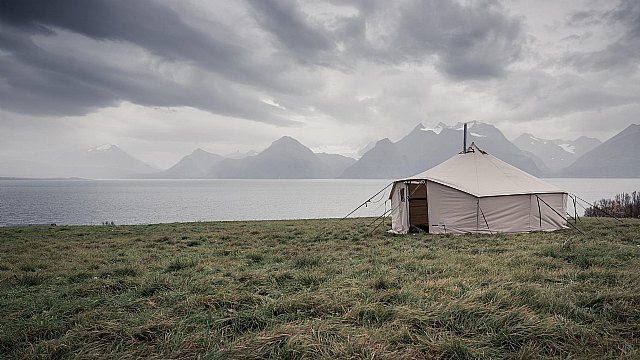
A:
x,y
464,144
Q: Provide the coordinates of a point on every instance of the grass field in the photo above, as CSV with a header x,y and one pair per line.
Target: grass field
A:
x,y
274,289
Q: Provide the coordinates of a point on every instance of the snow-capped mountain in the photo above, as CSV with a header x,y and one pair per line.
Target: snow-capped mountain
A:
x,y
106,161
616,157
556,154
285,158
553,156
579,146
426,147
103,147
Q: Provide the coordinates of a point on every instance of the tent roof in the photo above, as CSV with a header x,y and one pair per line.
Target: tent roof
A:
x,y
480,174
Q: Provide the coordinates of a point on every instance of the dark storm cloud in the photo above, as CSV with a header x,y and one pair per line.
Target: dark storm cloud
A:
x,y
37,83
627,13
622,53
585,17
466,42
294,33
42,82
144,23
473,41
537,95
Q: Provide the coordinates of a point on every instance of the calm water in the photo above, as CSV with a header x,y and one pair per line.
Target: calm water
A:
x,y
160,201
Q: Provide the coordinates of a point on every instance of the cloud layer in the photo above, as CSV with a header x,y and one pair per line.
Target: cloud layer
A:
x,y
333,74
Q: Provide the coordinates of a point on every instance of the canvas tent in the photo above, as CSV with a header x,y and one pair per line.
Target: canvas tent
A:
x,y
475,192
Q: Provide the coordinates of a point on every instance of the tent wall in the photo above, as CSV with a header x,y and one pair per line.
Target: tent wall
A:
x,y
512,213
550,218
450,210
456,212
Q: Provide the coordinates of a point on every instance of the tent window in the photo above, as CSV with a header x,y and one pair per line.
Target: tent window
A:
x,y
402,195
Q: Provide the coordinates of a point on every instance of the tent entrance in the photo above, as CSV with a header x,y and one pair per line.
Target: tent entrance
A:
x,y
418,205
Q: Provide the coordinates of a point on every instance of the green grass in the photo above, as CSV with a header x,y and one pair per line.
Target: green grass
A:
x,y
275,289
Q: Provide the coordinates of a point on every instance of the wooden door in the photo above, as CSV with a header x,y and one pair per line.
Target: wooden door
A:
x,y
418,206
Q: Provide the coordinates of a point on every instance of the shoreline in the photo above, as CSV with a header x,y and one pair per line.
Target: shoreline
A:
x,y
44,225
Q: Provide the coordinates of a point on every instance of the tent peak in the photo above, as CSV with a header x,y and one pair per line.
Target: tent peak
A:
x,y
473,148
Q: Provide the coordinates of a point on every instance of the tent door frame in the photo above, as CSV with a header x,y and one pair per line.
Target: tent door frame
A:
x,y
422,226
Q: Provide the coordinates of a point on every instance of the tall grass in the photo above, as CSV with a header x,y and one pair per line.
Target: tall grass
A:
x,y
275,289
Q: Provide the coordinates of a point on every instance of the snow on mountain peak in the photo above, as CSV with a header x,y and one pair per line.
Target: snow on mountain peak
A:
x,y
460,126
438,129
103,147
568,148
533,139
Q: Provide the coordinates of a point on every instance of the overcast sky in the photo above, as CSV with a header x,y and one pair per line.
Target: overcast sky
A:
x,y
161,78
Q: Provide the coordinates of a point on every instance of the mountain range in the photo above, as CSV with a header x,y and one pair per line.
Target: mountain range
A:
x,y
421,149
196,165
556,154
286,158
106,161
424,148
616,157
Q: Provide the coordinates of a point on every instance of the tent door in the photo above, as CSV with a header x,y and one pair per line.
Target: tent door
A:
x,y
418,206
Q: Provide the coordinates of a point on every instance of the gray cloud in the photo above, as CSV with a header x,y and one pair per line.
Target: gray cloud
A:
x,y
31,89
47,83
374,67
465,42
622,53
627,13
141,22
293,32
478,40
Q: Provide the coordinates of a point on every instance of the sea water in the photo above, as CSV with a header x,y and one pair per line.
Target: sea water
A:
x,y
75,202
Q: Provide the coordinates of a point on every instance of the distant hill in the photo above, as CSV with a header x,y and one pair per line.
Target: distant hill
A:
x,y
617,157
555,154
285,158
336,163
106,161
383,161
240,155
367,147
196,165
424,148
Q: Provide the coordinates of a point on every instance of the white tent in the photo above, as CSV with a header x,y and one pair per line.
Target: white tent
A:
x,y
474,192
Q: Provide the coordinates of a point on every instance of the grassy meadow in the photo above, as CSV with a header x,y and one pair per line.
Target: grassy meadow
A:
x,y
283,290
